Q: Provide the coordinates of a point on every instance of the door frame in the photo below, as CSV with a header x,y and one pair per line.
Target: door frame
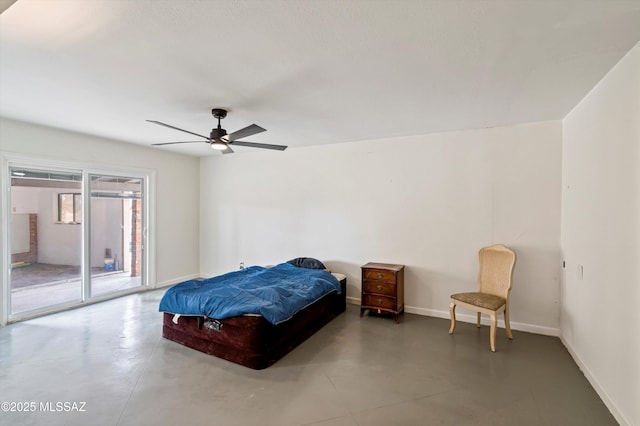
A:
x,y
148,176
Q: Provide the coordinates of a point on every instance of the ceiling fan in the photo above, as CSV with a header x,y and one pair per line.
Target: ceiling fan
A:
x,y
219,139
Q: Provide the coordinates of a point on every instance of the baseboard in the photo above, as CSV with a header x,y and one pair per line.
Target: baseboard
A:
x,y
529,328
472,318
176,280
620,418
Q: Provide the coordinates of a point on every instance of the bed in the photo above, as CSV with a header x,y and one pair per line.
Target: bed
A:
x,y
236,316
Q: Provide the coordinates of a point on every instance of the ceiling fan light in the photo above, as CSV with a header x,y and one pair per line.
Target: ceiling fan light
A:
x,y
219,145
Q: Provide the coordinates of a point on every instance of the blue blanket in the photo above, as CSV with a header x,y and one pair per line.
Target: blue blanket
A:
x,y
276,293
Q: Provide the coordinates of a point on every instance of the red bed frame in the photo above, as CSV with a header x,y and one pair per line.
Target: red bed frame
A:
x,y
250,340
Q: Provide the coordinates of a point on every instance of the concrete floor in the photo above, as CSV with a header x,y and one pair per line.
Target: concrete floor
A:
x,y
111,357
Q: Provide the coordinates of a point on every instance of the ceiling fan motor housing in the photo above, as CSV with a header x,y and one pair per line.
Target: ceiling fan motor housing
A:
x,y
217,133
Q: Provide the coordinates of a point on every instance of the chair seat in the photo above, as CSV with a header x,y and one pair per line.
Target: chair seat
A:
x,y
483,300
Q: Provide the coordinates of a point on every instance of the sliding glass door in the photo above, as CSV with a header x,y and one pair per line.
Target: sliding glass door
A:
x,y
74,236
116,237
46,238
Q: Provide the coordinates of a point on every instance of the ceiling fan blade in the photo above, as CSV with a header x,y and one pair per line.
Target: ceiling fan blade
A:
x,y
227,151
259,145
171,143
247,131
176,128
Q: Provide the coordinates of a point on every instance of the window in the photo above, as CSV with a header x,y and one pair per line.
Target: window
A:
x,y
69,207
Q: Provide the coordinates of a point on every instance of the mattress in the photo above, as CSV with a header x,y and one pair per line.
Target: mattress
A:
x,y
251,340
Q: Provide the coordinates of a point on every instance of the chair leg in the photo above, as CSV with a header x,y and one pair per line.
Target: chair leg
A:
x,y
507,326
494,322
452,311
479,315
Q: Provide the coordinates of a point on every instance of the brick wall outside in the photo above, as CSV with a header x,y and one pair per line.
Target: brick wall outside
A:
x,y
136,238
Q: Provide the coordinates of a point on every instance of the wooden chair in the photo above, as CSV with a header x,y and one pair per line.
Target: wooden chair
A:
x,y
494,285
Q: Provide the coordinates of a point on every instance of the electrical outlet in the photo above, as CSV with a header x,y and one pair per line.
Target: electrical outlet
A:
x,y
241,265
580,272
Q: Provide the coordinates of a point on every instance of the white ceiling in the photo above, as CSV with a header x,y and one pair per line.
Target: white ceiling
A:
x,y
310,72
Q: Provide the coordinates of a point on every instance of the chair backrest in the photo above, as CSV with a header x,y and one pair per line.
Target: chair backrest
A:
x,y
496,270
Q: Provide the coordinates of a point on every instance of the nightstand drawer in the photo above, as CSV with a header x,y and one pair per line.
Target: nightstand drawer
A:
x,y
378,287
376,274
379,301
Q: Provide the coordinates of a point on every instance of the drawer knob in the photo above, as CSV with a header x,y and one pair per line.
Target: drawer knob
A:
x,y
379,301
379,275
379,287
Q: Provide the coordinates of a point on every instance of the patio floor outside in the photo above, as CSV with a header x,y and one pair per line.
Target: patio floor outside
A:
x,y
40,285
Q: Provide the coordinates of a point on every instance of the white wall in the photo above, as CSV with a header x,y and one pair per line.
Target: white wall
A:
x,y
24,200
58,244
177,185
429,202
601,232
20,233
106,230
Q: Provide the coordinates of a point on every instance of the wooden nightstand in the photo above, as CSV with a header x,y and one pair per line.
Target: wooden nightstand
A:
x,y
382,288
